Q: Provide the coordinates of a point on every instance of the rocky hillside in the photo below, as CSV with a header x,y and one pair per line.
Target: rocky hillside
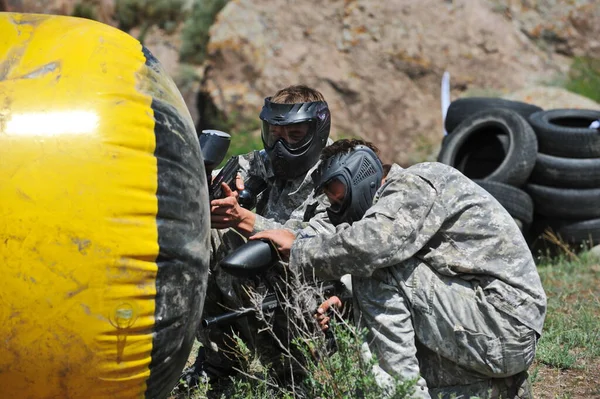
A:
x,y
378,63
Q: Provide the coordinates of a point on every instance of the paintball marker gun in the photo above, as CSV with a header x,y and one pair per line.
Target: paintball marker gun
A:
x,y
226,175
270,302
254,258
214,145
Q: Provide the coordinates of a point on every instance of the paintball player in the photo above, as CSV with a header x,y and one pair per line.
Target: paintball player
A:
x,y
442,278
295,128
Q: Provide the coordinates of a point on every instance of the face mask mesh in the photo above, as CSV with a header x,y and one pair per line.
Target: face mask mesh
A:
x,y
366,170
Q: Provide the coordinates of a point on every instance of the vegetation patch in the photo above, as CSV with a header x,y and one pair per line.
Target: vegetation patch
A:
x,y
341,374
165,14
568,354
195,30
584,77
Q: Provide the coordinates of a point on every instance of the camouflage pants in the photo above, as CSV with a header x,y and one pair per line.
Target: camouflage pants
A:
x,y
442,331
226,293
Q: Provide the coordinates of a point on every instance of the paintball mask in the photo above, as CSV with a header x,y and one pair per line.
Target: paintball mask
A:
x,y
360,171
294,135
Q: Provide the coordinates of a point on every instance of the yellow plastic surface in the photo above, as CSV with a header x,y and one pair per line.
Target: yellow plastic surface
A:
x,y
78,206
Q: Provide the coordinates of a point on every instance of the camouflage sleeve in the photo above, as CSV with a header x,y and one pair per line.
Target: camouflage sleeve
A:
x,y
404,218
311,218
246,162
307,220
261,223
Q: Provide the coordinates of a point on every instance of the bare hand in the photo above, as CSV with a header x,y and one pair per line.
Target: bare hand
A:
x,y
322,312
226,212
283,240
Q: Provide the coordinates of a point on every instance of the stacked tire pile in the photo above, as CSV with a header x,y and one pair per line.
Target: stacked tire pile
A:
x,y
565,182
542,166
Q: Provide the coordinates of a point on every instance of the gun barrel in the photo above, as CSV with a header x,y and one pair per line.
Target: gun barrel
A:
x,y
269,303
225,318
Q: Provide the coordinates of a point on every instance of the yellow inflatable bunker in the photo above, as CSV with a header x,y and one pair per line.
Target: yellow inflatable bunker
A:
x,y
103,214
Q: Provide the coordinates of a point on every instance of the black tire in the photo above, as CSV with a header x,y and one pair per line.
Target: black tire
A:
x,y
516,201
565,203
566,132
571,231
463,108
478,147
566,172
579,232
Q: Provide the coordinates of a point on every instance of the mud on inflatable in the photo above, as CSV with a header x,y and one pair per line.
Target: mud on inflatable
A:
x,y
103,214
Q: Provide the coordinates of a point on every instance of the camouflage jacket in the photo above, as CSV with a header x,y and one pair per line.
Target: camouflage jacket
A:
x,y
431,213
286,204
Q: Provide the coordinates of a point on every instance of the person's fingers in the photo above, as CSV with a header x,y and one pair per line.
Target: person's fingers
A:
x,y
322,316
262,235
220,202
332,301
222,210
220,213
224,202
335,301
239,182
217,210
226,190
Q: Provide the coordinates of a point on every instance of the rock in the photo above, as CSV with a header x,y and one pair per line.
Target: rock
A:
x,y
60,7
103,10
563,26
165,47
379,64
552,97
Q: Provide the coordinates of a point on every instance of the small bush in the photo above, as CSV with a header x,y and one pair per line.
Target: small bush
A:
x,y
343,374
195,30
84,9
584,77
165,14
319,366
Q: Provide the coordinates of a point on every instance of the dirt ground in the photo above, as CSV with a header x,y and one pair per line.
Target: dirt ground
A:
x,y
552,383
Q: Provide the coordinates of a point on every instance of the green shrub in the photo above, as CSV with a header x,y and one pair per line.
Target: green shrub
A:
x,y
84,9
195,30
343,374
584,77
243,143
166,14
313,365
